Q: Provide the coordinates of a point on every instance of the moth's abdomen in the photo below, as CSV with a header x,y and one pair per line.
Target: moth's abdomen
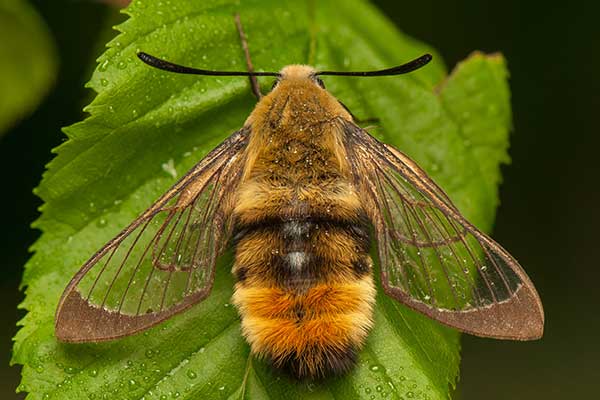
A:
x,y
304,285
312,334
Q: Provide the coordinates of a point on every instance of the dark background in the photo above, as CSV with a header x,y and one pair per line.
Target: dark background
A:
x,y
549,213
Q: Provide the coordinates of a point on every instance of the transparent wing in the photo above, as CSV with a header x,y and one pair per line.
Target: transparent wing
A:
x,y
163,262
434,260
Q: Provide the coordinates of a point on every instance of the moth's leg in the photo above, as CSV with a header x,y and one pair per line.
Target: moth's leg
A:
x,y
253,80
373,120
356,119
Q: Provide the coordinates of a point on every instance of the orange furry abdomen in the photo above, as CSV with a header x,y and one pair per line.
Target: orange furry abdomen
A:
x,y
312,334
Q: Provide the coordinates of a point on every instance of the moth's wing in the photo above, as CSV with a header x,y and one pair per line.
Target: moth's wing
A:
x,y
163,262
432,259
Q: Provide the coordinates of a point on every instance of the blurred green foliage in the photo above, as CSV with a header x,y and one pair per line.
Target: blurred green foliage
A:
x,y
29,62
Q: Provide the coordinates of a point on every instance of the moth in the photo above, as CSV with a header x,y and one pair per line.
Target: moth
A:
x,y
300,193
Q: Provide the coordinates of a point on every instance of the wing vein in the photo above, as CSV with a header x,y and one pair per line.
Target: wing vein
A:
x,y
123,263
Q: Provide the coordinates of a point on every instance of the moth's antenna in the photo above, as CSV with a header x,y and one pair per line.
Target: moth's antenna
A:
x,y
180,69
399,70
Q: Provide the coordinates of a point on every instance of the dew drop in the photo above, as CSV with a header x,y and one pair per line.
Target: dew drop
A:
x,y
102,67
104,82
71,370
375,368
391,385
149,353
39,368
410,395
191,374
134,113
122,65
93,373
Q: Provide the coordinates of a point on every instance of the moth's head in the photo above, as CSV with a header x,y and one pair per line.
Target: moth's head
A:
x,y
301,74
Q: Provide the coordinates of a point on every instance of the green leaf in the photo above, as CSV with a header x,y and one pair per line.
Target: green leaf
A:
x,y
28,66
475,111
146,126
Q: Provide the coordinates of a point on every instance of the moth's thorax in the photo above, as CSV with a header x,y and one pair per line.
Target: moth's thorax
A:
x,y
297,125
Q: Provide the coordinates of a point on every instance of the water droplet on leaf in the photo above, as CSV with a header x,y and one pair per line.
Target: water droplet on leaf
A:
x,y
191,374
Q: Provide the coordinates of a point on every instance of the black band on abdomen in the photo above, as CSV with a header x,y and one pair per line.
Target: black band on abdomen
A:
x,y
301,262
